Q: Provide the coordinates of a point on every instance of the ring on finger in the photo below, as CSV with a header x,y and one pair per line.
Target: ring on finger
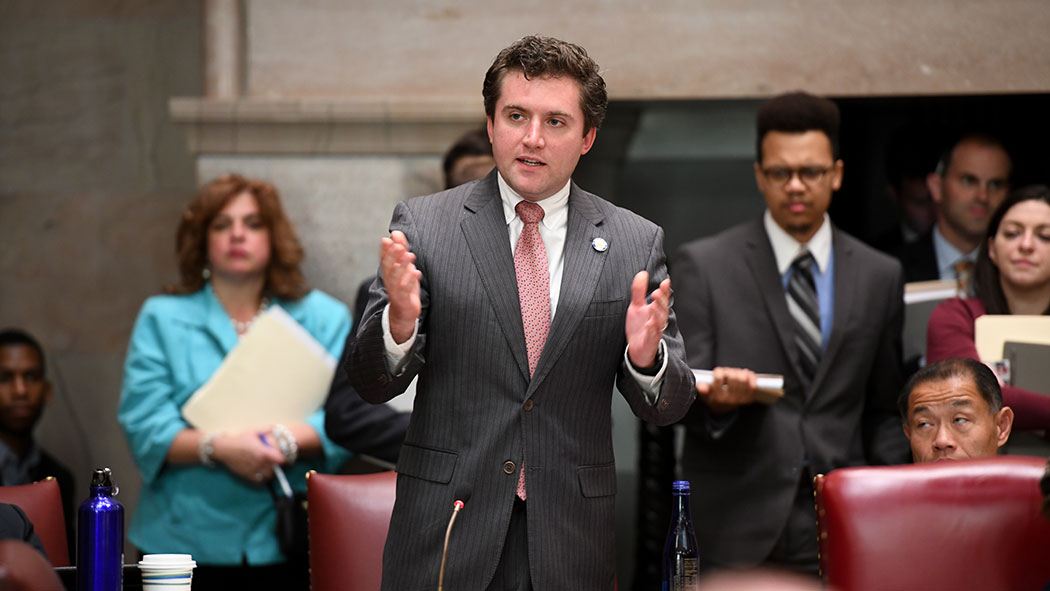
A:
x,y
259,476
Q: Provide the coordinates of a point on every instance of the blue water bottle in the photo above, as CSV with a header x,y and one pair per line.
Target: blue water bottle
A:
x,y
681,555
100,537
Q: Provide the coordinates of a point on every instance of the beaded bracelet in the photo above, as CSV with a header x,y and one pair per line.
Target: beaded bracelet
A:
x,y
286,442
205,450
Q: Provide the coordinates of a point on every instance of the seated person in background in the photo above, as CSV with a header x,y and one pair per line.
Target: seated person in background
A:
x,y
1012,277
469,159
910,158
24,392
971,180
15,525
953,409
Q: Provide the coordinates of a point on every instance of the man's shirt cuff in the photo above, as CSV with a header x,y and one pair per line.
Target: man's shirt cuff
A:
x,y
396,354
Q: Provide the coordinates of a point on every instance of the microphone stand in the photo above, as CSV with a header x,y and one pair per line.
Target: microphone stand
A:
x,y
448,533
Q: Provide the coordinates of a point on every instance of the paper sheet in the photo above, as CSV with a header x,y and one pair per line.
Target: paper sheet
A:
x,y
277,373
770,386
991,331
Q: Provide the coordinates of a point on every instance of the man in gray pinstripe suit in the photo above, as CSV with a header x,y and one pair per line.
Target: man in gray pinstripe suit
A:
x,y
530,435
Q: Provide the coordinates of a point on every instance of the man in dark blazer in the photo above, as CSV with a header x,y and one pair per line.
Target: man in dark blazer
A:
x,y
521,421
972,178
751,463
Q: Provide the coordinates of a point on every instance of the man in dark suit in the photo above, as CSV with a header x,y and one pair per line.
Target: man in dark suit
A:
x,y
24,392
518,326
788,294
971,180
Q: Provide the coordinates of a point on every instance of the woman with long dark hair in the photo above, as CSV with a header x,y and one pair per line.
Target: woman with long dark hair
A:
x,y
1012,277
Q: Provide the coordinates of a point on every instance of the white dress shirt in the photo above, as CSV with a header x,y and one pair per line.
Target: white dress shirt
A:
x,y
552,230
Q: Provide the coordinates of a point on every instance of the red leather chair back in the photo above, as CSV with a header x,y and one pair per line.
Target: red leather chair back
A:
x,y
42,504
349,518
972,524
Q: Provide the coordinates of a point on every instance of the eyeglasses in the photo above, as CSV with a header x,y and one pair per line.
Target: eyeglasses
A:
x,y
807,174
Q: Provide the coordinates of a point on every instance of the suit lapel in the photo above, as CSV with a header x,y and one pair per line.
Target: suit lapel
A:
x,y
760,260
485,231
582,268
847,277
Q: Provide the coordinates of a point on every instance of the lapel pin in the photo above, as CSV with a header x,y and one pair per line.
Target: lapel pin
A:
x,y
599,244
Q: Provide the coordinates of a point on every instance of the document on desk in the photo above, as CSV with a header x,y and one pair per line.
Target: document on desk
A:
x,y
991,332
920,298
277,373
770,386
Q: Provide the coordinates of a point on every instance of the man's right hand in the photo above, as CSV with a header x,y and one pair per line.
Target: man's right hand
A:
x,y
731,388
401,280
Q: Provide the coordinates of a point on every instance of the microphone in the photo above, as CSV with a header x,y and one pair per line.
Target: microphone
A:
x,y
462,496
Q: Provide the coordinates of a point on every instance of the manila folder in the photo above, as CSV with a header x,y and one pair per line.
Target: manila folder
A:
x,y
991,332
277,373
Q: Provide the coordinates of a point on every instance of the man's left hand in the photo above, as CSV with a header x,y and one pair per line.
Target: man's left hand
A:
x,y
646,321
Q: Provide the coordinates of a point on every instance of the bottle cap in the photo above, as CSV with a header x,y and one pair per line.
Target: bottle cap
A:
x,y
680,486
103,477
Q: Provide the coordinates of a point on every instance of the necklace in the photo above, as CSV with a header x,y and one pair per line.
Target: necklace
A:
x,y
242,326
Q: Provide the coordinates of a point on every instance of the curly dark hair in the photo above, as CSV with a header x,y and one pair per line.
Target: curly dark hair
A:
x,y
986,275
538,57
284,279
798,112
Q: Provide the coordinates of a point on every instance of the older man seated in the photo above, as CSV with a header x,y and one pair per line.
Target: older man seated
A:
x,y
953,409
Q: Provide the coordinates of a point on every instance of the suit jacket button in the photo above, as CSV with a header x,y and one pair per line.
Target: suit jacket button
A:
x,y
529,404
508,467
664,404
384,379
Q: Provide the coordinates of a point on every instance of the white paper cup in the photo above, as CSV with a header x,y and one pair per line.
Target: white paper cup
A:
x,y
158,559
167,572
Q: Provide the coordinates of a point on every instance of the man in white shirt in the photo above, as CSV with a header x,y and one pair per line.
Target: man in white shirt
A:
x,y
972,178
519,300
789,294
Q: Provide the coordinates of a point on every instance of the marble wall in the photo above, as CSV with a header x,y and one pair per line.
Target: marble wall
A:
x,y
93,176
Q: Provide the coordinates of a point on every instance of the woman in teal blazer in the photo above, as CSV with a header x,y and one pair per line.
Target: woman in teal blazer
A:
x,y
208,494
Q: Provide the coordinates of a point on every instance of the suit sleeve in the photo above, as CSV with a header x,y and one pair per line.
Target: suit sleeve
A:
x,y
694,313
365,364
678,389
884,440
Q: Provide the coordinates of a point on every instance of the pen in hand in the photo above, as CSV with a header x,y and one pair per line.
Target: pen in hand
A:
x,y
278,472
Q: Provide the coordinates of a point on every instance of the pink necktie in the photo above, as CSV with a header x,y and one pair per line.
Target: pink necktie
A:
x,y
534,293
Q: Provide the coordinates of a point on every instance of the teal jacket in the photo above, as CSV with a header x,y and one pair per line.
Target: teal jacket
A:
x,y
177,343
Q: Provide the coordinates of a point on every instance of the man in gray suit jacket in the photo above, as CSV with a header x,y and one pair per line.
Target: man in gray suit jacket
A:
x,y
513,405
835,338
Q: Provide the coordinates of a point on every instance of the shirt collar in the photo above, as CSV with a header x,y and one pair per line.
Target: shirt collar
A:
x,y
948,255
555,207
15,470
786,248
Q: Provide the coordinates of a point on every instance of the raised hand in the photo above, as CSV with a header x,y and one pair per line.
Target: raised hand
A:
x,y
401,280
646,321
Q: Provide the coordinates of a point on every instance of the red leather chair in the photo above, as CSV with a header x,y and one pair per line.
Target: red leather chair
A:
x,y
349,517
42,503
972,524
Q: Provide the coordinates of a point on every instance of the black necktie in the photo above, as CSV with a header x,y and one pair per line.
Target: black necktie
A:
x,y
805,312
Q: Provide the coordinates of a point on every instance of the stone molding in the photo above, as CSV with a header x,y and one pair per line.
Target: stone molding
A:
x,y
323,126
